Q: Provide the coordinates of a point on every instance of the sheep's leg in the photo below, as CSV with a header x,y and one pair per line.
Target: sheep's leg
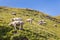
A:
x,y
15,30
21,27
15,26
30,22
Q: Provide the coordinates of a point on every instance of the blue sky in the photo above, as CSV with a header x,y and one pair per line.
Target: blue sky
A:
x,y
51,7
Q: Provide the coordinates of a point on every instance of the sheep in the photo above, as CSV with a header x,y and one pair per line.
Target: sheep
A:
x,y
55,25
48,17
29,20
16,19
17,23
13,13
41,22
44,22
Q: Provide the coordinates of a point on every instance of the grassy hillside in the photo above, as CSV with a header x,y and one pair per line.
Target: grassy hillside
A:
x,y
32,31
58,17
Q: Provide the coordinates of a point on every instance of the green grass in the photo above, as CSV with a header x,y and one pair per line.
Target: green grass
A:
x,y
32,31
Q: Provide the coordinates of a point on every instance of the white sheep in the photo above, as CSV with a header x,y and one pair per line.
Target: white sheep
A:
x,y
17,23
16,19
13,13
55,25
29,20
